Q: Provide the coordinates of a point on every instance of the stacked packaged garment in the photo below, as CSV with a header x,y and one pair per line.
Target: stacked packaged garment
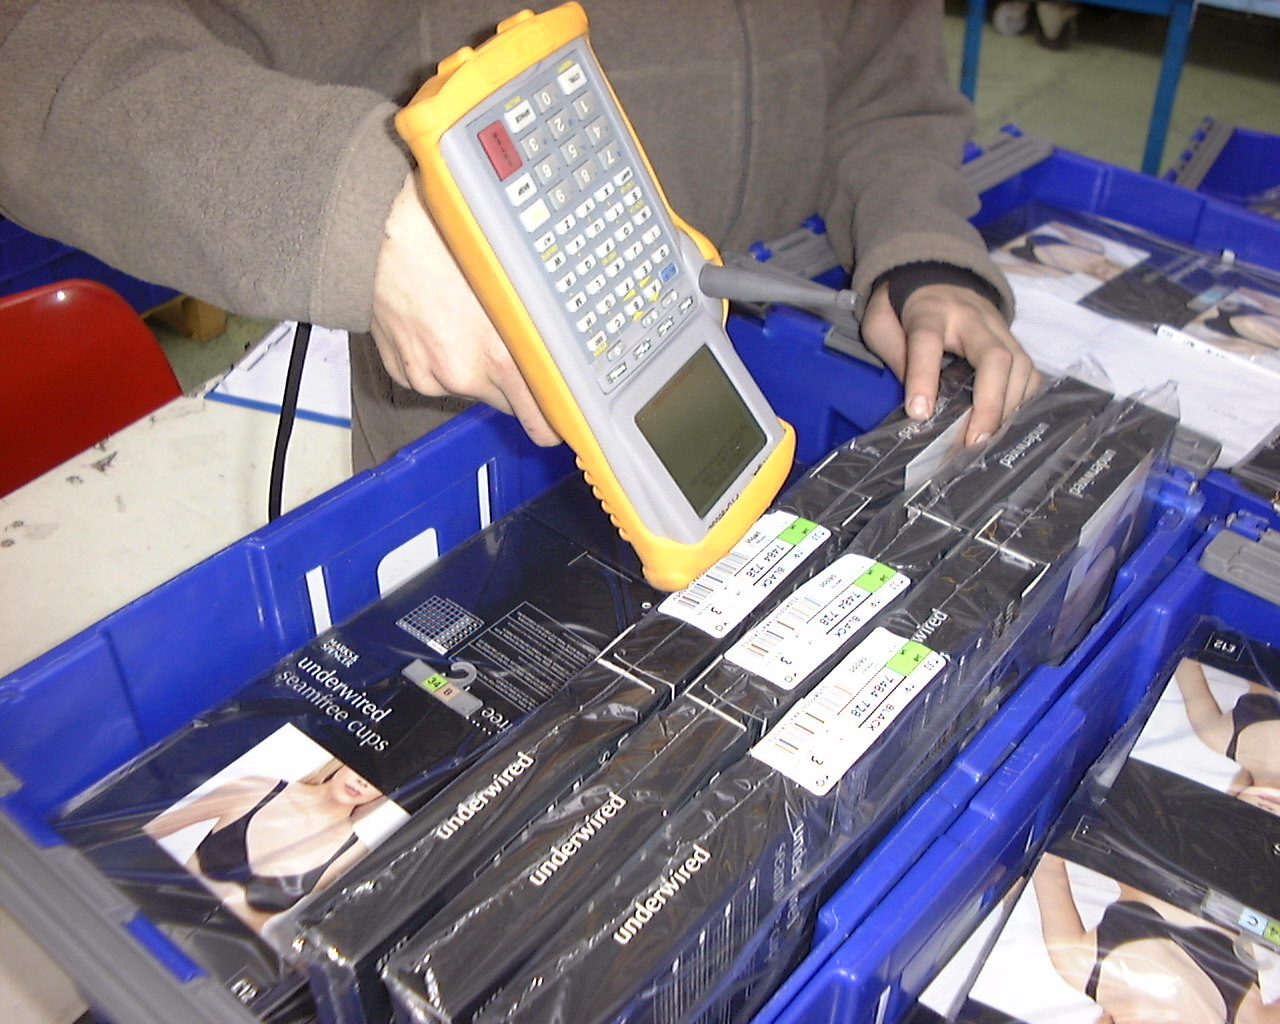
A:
x,y
343,939
221,832
714,905
934,538
1159,896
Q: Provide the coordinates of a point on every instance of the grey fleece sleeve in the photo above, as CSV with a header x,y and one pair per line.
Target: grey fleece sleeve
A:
x,y
129,130
896,133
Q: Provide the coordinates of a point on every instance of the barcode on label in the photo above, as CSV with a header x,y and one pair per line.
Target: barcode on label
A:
x,y
713,580
780,628
811,625
827,732
723,596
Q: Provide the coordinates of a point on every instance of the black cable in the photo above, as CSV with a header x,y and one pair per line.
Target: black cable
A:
x,y
288,413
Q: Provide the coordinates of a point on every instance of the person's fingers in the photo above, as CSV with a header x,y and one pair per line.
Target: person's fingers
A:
x,y
990,394
388,353
518,399
938,319
535,423
483,371
1006,378
883,334
1024,381
926,345
445,345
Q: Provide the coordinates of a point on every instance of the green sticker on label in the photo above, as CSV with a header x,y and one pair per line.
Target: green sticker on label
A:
x,y
797,531
875,577
1272,932
908,658
434,682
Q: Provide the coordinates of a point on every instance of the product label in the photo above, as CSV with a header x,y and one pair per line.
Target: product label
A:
x,y
1170,333
723,596
1028,442
454,696
440,623
827,732
473,805
811,624
563,850
527,655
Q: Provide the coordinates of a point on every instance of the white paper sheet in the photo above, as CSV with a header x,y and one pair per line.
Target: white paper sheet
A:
x,y
1232,399
258,379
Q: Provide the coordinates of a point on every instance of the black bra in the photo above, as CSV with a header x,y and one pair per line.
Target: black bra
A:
x,y
1211,950
1251,709
223,855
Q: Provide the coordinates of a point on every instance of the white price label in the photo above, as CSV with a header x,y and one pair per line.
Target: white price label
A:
x,y
723,596
810,625
827,732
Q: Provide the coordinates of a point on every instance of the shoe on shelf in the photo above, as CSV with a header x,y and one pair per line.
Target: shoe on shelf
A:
x,y
1055,23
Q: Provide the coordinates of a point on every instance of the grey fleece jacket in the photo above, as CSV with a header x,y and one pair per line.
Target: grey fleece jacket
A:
x,y
242,150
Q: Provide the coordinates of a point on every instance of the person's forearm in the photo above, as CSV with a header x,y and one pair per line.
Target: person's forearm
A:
x,y
897,133
1203,712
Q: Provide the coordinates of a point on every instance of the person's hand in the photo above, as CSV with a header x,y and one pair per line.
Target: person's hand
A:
x,y
941,318
429,327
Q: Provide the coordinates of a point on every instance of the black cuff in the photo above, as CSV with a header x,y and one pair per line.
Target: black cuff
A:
x,y
907,278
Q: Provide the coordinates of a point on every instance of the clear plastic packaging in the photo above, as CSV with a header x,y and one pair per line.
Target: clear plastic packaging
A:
x,y
715,907
342,938
221,832
1260,469
1159,897
730,702
1138,277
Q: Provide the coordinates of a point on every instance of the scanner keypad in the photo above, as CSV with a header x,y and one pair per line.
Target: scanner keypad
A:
x,y
589,216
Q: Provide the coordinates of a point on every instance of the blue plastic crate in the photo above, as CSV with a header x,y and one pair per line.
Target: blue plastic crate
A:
x,y
826,396
29,260
86,707
1227,498
1242,164
251,602
869,957
113,688
1075,182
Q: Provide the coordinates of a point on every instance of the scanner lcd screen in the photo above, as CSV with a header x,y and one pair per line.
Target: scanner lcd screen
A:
x,y
701,430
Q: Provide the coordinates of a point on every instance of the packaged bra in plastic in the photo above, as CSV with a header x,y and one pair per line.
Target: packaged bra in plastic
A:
x,y
222,831
579,842
1129,274
715,906
1159,898
342,937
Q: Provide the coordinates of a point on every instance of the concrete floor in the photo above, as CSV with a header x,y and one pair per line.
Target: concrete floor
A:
x,y
1094,97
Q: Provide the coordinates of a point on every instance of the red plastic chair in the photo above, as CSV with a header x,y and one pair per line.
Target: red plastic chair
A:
x,y
76,364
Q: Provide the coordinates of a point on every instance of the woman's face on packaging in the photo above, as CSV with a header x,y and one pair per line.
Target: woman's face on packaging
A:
x,y
345,786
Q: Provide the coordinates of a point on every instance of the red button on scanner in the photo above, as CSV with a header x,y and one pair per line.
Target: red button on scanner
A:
x,y
501,151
